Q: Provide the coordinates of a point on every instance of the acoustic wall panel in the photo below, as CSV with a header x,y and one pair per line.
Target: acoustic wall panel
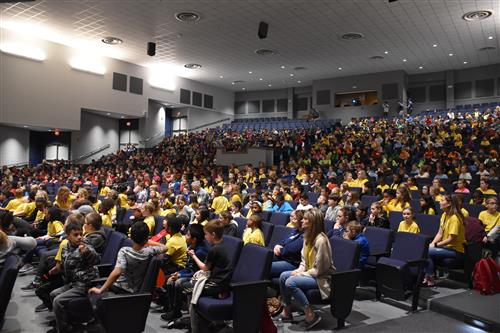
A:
x,y
185,96
417,94
323,97
390,91
437,93
268,105
135,86
485,88
197,99
253,106
208,101
119,81
282,105
463,90
240,108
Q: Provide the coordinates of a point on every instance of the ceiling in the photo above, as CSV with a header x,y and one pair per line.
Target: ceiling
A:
x,y
302,33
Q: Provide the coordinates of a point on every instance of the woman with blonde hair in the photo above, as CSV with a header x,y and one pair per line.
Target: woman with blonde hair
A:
x,y
314,270
64,198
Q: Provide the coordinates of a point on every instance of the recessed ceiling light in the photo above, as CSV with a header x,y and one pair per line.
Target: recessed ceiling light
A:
x,y
282,67
233,83
490,37
243,88
354,87
250,72
260,79
434,45
291,74
264,52
465,62
122,117
25,126
221,76
477,15
340,68
269,85
404,60
299,81
111,40
108,114
386,52
420,67
187,17
352,36
450,54
192,66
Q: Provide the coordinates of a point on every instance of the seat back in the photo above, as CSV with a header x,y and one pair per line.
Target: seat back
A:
x,y
158,224
394,219
126,218
474,210
114,244
380,239
428,224
266,215
242,224
278,218
8,277
313,197
267,229
328,224
124,313
149,282
253,264
233,247
280,232
367,200
345,253
408,246
107,232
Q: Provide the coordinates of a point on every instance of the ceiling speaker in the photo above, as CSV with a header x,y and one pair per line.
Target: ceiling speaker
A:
x,y
151,49
263,26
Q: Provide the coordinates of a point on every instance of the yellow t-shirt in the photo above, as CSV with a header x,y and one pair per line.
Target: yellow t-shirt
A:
x,y
122,199
309,255
58,256
358,182
489,191
394,206
54,227
489,220
413,188
235,198
97,205
14,204
39,215
288,197
107,220
220,204
177,249
150,221
26,209
66,204
464,212
104,191
255,236
383,187
412,228
451,225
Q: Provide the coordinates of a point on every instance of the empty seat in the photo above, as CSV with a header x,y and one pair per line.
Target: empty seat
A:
x,y
278,218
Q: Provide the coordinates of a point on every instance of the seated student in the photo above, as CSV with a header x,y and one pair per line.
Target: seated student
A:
x,y
149,219
322,203
287,252
183,208
64,198
17,201
401,202
333,207
220,202
230,225
377,218
131,263
408,224
352,199
235,209
354,231
360,213
477,198
9,244
343,217
314,270
176,247
268,203
462,186
484,187
281,205
255,209
219,266
304,202
55,229
427,205
106,211
450,239
490,218
201,216
253,234
195,239
25,209
77,264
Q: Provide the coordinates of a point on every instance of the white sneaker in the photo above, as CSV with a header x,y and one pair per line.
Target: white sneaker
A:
x,y
26,269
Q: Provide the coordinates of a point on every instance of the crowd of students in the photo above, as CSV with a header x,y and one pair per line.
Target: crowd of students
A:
x,y
179,181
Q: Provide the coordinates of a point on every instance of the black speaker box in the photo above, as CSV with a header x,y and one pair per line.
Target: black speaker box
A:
x,y
151,49
263,26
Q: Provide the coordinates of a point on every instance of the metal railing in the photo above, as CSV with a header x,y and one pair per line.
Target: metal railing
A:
x,y
154,136
209,124
92,153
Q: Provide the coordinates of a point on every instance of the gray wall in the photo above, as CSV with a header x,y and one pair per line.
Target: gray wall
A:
x,y
261,95
152,126
51,94
201,117
14,145
426,81
96,131
479,73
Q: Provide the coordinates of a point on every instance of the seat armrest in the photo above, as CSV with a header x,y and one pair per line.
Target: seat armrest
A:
x,y
418,262
104,269
237,285
98,281
381,254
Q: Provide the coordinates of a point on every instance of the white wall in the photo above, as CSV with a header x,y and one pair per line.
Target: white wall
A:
x,y
96,131
14,145
51,94
152,126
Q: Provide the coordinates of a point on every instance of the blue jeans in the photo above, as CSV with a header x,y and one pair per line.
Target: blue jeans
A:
x,y
279,267
438,254
295,286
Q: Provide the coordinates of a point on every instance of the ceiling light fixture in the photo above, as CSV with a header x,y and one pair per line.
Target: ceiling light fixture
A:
x,y
386,52
420,67
110,40
269,85
25,126
490,37
193,66
260,79
243,88
450,54
24,51
291,74
282,67
108,114
434,45
340,68
250,72
221,76
187,16
465,62
404,60
477,15
298,81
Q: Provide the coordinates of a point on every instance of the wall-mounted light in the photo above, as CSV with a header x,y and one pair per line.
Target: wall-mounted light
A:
x,y
24,51
85,65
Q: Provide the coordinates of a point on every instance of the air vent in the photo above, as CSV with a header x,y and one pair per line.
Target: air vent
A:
x,y
237,81
377,57
192,66
487,48
352,36
300,68
187,17
264,52
477,15
111,40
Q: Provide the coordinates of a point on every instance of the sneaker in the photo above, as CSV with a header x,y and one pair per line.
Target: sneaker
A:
x,y
32,286
313,322
26,269
284,319
171,315
41,308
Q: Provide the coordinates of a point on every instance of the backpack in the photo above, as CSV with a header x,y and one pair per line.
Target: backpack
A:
x,y
486,276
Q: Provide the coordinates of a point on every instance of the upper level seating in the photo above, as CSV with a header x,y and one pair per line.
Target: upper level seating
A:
x,y
277,124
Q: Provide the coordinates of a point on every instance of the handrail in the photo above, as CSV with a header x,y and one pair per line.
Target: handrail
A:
x,y
209,124
93,152
152,137
20,164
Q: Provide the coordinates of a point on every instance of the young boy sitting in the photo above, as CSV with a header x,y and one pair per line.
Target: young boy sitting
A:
x,y
195,238
78,262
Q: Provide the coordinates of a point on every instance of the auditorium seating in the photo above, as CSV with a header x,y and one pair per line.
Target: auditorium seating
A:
x,y
278,218
280,232
277,124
